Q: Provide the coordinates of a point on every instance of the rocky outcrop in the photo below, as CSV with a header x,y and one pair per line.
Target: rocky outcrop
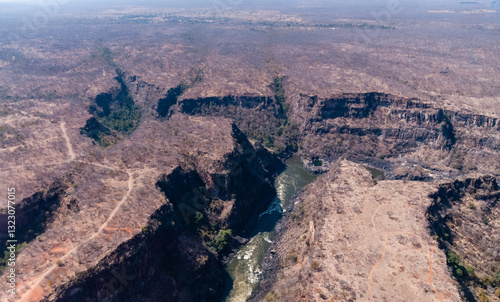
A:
x,y
346,237
193,106
164,104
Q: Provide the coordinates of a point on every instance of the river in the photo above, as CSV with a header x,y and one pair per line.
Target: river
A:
x,y
245,267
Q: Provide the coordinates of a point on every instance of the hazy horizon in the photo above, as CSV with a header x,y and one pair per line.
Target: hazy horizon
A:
x,y
320,10
246,4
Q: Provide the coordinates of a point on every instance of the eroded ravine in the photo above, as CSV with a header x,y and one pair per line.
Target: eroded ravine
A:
x,y
251,172
245,267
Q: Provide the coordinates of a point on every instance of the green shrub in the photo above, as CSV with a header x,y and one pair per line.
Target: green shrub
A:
x,y
279,92
5,259
113,115
316,266
496,279
198,218
453,258
291,256
222,239
485,281
483,297
271,297
460,269
470,270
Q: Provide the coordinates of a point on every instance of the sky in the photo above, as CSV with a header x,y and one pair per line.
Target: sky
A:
x,y
337,5
242,2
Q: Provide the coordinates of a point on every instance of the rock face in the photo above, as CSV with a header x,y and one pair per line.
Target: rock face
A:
x,y
408,138
163,263
464,216
370,127
261,118
187,181
348,239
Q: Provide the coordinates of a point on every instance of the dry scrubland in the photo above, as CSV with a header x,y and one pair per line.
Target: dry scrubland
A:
x,y
86,205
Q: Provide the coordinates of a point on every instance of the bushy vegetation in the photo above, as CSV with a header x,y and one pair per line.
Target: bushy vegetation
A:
x,y
5,259
316,266
284,139
222,240
271,297
114,115
279,93
460,270
8,136
483,297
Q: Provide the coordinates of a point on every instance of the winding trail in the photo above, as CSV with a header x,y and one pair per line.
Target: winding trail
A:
x,y
72,154
368,292
430,275
68,142
35,283
33,287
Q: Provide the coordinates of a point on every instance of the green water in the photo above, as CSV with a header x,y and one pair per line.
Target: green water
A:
x,y
244,268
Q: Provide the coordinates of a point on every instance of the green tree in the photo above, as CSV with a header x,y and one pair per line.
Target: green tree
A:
x,y
222,239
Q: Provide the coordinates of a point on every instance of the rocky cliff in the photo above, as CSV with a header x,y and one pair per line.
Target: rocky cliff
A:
x,y
377,128
347,239
464,218
408,138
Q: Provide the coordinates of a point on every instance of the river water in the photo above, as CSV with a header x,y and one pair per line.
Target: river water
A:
x,y
244,268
